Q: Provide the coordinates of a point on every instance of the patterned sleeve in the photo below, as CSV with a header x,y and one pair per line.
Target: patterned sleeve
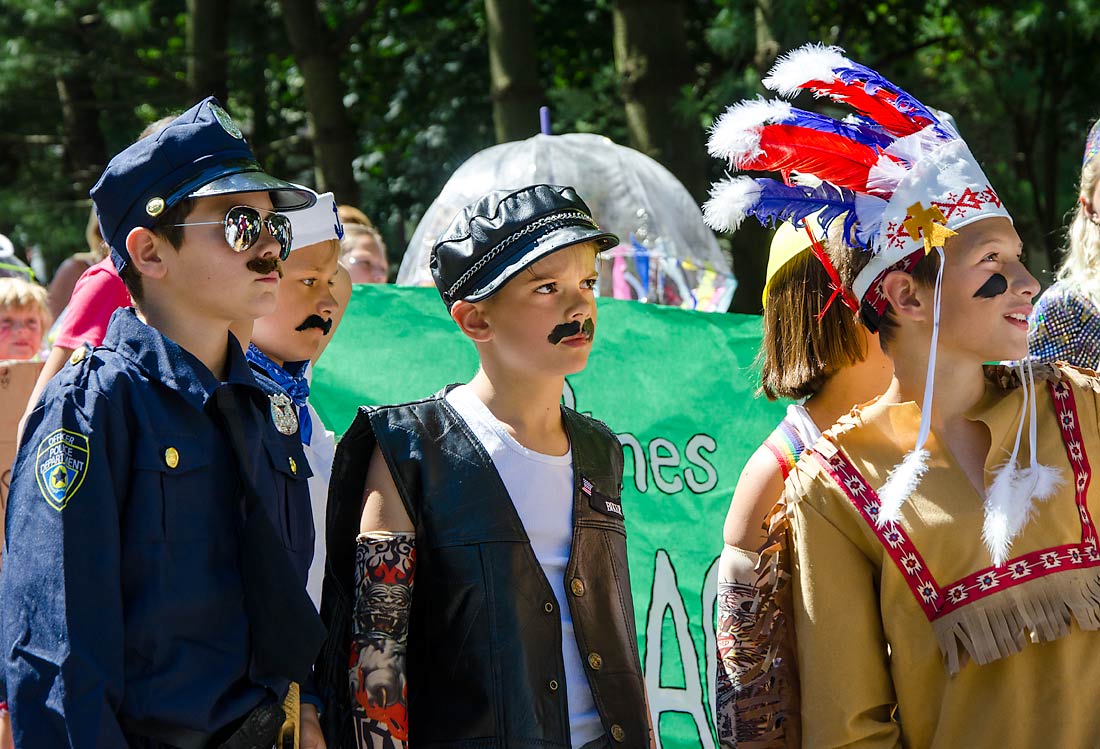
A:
x,y
385,565
757,681
1065,326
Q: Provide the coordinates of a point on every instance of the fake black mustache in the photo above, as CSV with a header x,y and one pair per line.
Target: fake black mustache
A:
x,y
265,265
565,330
316,321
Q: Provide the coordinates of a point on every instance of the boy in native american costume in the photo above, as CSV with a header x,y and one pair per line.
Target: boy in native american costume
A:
x,y
945,560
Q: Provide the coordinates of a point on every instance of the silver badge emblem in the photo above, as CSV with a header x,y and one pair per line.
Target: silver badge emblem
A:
x,y
282,413
226,122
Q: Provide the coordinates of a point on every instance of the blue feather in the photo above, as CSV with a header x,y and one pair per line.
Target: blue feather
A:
x,y
867,132
873,81
793,203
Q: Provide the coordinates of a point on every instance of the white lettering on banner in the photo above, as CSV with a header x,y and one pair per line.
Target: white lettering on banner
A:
x,y
663,454
637,456
688,699
695,446
661,458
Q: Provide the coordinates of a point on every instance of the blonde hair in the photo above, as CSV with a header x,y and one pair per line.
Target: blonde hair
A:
x,y
94,238
15,293
799,352
1081,265
352,231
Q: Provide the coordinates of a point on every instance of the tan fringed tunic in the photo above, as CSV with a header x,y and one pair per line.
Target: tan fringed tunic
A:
x,y
907,636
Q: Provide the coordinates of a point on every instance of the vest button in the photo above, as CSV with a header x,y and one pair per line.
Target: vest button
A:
x,y
595,660
548,607
553,685
577,586
617,732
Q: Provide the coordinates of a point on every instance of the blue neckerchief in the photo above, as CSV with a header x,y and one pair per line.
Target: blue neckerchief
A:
x,y
291,377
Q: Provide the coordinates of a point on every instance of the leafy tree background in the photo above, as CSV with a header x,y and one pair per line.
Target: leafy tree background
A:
x,y
80,79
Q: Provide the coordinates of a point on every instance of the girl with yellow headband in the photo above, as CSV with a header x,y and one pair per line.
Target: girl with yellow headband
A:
x,y
816,353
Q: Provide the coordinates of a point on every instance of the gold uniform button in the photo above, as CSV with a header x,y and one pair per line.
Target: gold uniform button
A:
x,y
553,685
78,355
171,457
548,607
577,586
618,733
293,466
595,660
155,206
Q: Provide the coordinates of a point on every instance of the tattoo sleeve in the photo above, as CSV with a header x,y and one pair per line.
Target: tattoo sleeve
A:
x,y
753,693
385,564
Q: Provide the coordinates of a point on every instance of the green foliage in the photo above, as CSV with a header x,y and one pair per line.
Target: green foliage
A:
x,y
1015,75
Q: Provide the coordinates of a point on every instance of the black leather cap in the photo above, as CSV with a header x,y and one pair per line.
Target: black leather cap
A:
x,y
496,237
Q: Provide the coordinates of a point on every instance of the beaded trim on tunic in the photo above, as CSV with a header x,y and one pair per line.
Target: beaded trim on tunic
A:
x,y
939,603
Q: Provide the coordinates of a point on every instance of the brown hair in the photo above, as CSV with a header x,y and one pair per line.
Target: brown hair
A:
x,y
164,226
886,325
798,352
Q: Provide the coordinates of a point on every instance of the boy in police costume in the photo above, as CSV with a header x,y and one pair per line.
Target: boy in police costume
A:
x,y
159,526
487,598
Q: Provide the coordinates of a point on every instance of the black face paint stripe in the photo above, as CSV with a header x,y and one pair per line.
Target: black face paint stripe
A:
x,y
995,285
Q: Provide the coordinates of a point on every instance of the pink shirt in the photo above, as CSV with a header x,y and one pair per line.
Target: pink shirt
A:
x,y
97,294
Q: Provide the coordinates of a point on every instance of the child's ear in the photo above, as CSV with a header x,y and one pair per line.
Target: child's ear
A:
x,y
472,320
145,247
903,292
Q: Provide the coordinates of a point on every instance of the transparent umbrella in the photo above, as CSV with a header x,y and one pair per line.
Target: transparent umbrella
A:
x,y
667,254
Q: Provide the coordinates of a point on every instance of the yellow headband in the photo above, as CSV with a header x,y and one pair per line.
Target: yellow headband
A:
x,y
787,244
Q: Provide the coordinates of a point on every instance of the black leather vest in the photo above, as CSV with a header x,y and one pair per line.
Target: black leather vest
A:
x,y
484,656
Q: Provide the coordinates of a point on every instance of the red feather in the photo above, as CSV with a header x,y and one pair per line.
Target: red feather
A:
x,y
830,157
880,106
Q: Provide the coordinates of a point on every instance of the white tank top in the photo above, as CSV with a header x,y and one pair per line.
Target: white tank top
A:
x,y
541,488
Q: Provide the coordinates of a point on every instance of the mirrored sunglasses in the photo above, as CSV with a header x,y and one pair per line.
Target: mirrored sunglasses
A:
x,y
244,224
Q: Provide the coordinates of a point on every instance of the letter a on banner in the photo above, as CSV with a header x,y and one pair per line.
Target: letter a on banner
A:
x,y
688,699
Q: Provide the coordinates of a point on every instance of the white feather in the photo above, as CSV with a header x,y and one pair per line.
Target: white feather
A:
x,y
900,484
1010,504
730,201
736,135
811,62
1004,514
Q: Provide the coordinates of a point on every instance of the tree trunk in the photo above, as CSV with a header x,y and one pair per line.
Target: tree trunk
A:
x,y
513,69
85,152
652,61
334,137
207,60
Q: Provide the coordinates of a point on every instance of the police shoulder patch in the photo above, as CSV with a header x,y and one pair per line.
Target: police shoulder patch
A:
x,y
60,466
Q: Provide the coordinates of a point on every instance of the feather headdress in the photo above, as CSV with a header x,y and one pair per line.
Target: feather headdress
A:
x,y
901,180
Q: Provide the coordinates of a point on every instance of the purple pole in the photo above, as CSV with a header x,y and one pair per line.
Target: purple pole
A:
x,y
544,120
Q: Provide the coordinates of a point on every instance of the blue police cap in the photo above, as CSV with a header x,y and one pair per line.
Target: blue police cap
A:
x,y
199,154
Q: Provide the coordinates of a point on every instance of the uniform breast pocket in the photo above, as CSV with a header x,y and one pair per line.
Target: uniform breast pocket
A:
x,y
288,501
178,498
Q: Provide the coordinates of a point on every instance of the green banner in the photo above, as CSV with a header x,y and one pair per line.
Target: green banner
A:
x,y
677,387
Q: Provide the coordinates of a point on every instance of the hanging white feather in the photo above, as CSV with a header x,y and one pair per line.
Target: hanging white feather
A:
x,y
1005,513
901,482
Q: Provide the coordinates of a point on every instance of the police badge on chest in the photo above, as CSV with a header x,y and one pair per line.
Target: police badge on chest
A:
x,y
282,413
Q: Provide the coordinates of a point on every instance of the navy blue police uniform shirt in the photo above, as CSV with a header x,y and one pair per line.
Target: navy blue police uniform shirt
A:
x,y
121,581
